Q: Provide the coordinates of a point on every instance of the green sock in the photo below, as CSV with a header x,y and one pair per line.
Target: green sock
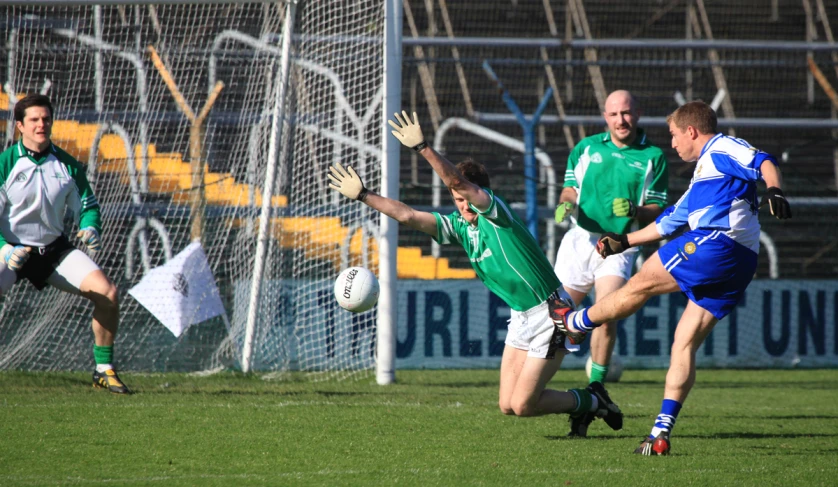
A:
x,y
103,355
584,400
598,372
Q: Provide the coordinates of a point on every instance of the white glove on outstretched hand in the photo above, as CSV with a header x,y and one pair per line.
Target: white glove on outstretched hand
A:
x,y
90,237
409,133
347,182
15,256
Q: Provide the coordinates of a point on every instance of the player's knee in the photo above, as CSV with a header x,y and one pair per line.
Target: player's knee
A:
x,y
107,297
112,296
609,329
506,409
505,406
523,408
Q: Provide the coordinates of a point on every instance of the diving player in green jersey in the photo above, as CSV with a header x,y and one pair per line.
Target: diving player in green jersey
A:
x,y
615,181
38,183
510,263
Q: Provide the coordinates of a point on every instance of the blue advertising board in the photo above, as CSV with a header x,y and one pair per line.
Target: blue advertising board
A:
x,y
460,324
779,323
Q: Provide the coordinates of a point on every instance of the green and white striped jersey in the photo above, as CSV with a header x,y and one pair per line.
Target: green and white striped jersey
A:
x,y
600,171
35,195
504,254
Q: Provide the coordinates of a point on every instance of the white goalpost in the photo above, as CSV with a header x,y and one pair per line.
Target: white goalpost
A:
x,y
294,87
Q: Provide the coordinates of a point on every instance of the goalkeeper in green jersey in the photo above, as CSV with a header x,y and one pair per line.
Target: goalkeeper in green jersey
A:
x,y
510,263
615,181
38,183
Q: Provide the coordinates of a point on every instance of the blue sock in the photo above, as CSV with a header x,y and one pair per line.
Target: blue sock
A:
x,y
582,322
666,419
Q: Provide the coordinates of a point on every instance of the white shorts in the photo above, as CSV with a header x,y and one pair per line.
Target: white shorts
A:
x,y
578,265
534,331
68,275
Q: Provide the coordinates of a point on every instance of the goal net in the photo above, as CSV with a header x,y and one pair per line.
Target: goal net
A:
x,y
130,83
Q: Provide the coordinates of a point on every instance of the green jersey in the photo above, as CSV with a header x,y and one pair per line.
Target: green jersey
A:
x,y
600,171
504,254
37,190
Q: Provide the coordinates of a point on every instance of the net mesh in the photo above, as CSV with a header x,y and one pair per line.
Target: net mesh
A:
x,y
115,109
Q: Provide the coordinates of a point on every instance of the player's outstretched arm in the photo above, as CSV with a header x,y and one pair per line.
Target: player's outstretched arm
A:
x,y
348,183
410,135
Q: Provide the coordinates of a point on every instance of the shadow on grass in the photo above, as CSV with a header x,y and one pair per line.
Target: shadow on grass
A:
x,y
591,438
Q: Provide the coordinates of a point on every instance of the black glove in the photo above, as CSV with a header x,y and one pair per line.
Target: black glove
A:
x,y
612,243
777,203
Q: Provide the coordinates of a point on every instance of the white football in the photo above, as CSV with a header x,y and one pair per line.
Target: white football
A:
x,y
615,369
356,289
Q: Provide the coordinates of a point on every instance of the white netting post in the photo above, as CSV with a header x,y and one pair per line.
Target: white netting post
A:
x,y
267,190
387,303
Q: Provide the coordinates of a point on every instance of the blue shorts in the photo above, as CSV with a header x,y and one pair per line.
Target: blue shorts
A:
x,y
710,268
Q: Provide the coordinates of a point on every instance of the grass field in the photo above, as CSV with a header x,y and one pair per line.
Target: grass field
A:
x,y
432,428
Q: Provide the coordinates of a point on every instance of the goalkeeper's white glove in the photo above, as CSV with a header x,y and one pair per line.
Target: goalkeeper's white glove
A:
x,y
408,132
90,237
347,182
15,256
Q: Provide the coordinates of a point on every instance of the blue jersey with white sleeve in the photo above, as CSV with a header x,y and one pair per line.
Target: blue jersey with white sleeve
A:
x,y
722,194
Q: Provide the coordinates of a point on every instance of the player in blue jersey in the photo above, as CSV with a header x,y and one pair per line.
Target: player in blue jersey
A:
x,y
39,183
712,261
507,258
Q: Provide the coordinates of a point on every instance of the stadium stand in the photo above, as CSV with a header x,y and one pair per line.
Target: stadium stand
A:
x,y
761,84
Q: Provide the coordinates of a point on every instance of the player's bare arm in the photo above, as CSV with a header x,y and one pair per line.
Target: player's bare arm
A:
x,y
402,213
613,243
645,235
348,183
410,135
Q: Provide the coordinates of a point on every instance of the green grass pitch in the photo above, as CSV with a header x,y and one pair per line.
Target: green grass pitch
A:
x,y
763,428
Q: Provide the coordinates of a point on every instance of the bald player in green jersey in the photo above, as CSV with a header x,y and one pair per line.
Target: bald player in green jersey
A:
x,y
615,181
510,263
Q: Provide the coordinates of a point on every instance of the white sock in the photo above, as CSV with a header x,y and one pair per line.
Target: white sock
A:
x,y
594,403
103,367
